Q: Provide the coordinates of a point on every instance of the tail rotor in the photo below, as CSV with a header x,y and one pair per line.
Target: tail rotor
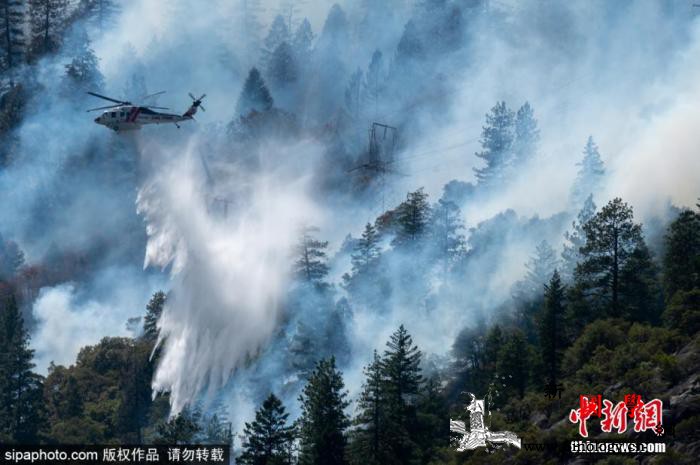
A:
x,y
196,104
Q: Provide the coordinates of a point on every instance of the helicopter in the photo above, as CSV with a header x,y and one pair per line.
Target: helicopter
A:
x,y
126,116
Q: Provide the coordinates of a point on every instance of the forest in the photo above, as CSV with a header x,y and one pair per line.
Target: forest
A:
x,y
325,264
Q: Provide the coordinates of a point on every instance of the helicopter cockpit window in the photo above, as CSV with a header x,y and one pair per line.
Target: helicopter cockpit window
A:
x,y
114,114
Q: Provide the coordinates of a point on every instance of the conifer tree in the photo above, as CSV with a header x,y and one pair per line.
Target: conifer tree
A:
x,y
353,93
403,380
410,48
249,27
183,428
446,230
323,420
254,96
527,136
366,250
575,239
368,445
82,73
310,265
433,434
614,244
412,218
513,362
282,67
551,327
20,388
302,42
681,262
268,439
374,82
492,346
278,34
541,266
12,37
640,291
154,310
497,144
47,21
11,258
527,293
100,13
329,60
590,174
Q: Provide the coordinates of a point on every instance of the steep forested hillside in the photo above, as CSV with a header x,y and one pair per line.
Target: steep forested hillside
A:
x,y
383,208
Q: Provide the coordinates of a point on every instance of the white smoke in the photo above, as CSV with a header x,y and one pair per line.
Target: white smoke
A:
x,y
67,320
228,273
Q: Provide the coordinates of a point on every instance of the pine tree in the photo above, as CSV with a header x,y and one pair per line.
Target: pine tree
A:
x,y
513,362
539,269
329,66
353,93
20,388
575,239
183,428
249,27
11,258
278,34
410,48
433,431
446,230
216,430
366,250
268,439
527,293
374,83
254,96
497,144
527,136
289,9
303,42
681,264
310,265
551,327
368,445
12,39
135,89
82,73
154,310
412,218
100,13
47,21
613,240
640,292
590,175
282,68
323,420
403,379
541,266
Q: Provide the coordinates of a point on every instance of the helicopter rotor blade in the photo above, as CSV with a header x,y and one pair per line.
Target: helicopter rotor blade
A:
x,y
121,102
191,96
105,108
200,98
158,108
152,95
202,108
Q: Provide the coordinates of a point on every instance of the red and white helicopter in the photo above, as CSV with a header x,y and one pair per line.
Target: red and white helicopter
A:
x,y
125,116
